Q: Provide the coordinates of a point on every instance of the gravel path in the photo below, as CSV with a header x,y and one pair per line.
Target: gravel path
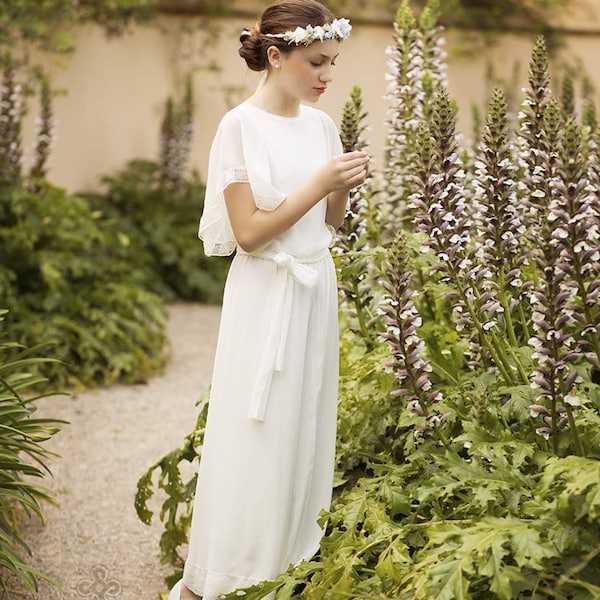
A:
x,y
93,543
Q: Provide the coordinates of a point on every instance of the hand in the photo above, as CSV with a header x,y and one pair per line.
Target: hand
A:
x,y
344,172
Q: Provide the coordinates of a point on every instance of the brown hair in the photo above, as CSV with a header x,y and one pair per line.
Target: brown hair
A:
x,y
283,16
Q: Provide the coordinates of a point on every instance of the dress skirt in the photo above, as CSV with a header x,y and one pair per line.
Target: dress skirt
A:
x,y
267,462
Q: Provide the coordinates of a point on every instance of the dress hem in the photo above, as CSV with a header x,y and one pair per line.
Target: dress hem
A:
x,y
211,584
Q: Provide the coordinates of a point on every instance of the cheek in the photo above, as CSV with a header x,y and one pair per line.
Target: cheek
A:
x,y
301,72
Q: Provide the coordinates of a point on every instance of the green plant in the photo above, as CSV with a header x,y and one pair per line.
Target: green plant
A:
x,y
176,509
159,231
49,23
61,272
23,457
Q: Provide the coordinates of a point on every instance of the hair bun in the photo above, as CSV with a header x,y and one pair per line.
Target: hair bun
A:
x,y
251,49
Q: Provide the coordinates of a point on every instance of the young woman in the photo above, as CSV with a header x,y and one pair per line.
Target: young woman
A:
x,y
277,189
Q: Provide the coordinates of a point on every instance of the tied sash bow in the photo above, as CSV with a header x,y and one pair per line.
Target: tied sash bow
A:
x,y
289,270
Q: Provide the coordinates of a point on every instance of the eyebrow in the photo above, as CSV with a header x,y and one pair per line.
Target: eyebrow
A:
x,y
327,55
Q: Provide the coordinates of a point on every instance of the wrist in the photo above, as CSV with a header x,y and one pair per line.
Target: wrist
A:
x,y
320,188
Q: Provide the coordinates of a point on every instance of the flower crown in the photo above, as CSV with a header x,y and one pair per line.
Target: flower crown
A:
x,y
338,29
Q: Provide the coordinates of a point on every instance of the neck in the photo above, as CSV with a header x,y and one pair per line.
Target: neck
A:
x,y
271,97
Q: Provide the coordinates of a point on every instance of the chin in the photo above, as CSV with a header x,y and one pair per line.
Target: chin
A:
x,y
311,98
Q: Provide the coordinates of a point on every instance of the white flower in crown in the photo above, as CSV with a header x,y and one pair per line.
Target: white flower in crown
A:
x,y
319,33
338,29
296,36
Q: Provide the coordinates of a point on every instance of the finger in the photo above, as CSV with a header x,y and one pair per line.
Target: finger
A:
x,y
348,156
357,162
355,172
358,178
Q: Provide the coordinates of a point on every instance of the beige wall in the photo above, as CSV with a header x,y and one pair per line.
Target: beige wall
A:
x,y
117,88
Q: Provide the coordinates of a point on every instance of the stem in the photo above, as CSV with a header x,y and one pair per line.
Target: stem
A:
x,y
567,577
523,321
364,331
594,342
492,348
518,364
510,326
425,295
554,434
443,439
506,305
575,432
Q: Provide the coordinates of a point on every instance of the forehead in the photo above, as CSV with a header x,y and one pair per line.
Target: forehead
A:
x,y
325,49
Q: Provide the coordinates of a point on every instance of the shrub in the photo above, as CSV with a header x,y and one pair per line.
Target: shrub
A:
x,y
60,274
22,457
159,232
61,268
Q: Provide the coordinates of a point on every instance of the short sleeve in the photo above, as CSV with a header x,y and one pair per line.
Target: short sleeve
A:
x,y
237,155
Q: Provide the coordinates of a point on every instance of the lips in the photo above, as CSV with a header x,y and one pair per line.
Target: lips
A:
x,y
320,90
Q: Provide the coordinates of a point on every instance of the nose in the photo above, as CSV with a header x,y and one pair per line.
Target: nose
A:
x,y
326,76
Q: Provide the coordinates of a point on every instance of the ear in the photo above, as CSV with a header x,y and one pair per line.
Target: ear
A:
x,y
273,56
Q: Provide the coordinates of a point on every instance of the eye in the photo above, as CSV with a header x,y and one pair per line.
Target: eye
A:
x,y
315,64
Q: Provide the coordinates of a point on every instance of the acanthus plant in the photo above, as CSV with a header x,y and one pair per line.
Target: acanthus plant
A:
x,y
411,369
416,67
177,132
554,347
356,274
11,113
532,178
557,201
577,232
566,313
499,230
45,130
443,217
444,489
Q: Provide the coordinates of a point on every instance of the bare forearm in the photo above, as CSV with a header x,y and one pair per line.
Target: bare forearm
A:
x,y
336,208
261,226
254,227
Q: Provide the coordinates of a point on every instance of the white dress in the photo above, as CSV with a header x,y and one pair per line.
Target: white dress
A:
x,y
267,462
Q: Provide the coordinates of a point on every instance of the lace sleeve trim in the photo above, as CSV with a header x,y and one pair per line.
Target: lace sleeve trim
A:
x,y
235,175
215,229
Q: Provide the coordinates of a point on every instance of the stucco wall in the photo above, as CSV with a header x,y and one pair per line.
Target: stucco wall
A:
x,y
117,88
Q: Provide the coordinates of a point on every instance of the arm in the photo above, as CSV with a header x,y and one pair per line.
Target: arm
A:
x,y
336,207
254,227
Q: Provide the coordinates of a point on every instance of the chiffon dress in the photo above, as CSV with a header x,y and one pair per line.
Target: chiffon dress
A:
x,y
267,461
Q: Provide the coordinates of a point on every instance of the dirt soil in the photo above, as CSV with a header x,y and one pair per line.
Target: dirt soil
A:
x,y
93,543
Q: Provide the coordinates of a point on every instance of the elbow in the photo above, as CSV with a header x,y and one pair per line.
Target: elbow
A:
x,y
247,243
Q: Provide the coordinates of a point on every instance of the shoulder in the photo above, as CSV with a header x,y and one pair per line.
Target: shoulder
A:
x,y
231,118
230,127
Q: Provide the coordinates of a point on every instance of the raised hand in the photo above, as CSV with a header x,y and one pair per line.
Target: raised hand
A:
x,y
343,172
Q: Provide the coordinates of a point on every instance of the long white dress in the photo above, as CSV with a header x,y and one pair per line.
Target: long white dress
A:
x,y
267,462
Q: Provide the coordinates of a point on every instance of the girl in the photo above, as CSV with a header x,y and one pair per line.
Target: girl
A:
x,y
277,189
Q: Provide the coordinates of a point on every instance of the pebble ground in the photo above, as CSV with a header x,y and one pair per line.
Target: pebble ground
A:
x,y
92,543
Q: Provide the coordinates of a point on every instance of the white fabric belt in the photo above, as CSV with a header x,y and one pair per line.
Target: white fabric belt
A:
x,y
289,268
